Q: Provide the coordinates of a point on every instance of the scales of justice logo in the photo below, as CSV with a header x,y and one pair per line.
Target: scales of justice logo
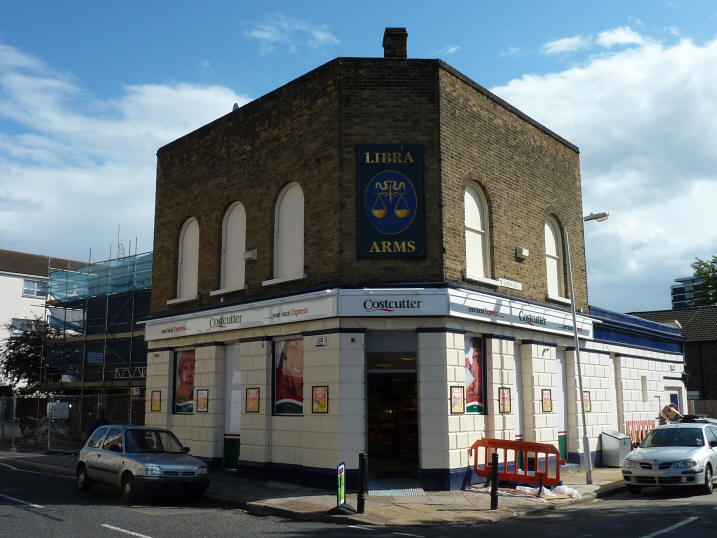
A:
x,y
390,202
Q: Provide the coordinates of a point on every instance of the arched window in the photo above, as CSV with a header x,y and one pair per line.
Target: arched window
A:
x,y
188,266
233,247
477,234
289,233
554,258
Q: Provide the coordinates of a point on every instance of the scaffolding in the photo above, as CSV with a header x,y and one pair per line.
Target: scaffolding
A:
x,y
98,343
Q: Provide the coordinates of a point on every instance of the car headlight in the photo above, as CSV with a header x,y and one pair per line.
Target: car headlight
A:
x,y
629,463
203,470
152,470
684,464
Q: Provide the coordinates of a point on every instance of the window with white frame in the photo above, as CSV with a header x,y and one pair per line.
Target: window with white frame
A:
x,y
554,258
188,266
289,234
34,288
477,236
233,247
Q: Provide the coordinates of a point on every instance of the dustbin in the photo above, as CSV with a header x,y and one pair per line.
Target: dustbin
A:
x,y
615,446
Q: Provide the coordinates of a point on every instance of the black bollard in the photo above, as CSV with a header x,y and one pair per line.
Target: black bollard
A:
x,y
494,482
361,499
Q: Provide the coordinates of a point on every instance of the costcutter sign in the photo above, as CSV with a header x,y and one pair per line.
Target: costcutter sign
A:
x,y
482,307
393,303
300,309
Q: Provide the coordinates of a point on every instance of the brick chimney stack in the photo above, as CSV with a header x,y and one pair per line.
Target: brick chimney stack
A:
x,y
394,43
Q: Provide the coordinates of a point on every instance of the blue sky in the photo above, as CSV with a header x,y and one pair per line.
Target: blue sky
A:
x,y
90,90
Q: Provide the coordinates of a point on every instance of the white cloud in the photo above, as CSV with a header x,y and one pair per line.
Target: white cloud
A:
x,y
73,167
620,36
447,51
567,44
292,34
645,119
512,51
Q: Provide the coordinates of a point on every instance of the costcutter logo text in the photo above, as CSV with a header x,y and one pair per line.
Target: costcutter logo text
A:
x,y
385,305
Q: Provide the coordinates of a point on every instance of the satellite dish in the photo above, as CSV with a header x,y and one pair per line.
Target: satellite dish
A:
x,y
235,107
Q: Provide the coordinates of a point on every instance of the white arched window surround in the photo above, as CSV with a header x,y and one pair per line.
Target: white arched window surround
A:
x,y
554,260
477,235
187,262
288,235
233,265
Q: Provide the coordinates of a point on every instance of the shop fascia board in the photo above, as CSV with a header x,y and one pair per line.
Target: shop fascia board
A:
x,y
381,303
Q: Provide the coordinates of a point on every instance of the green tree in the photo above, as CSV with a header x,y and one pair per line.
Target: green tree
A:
x,y
21,356
706,293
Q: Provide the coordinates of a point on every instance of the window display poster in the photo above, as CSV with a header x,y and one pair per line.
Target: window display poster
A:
x,y
156,400
475,368
504,400
320,399
184,382
252,400
202,401
547,401
289,377
457,400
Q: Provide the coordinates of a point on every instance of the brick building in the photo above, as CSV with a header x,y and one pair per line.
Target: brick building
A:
x,y
365,259
699,327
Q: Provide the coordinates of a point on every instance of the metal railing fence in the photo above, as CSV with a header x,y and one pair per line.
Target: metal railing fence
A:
x,y
61,422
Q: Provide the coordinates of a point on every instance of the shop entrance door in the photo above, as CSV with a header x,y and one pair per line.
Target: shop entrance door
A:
x,y
392,417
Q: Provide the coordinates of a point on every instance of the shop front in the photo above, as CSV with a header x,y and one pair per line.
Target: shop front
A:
x,y
291,387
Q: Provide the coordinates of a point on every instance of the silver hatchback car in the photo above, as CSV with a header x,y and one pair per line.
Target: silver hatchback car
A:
x,y
682,454
139,459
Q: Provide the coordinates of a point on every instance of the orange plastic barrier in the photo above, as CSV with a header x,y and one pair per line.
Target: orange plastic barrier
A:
x,y
513,454
637,430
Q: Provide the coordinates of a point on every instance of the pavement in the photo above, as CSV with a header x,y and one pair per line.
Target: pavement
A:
x,y
467,507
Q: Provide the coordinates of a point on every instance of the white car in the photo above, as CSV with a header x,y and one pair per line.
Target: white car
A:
x,y
683,454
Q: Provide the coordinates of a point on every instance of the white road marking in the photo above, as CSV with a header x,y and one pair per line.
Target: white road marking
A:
x,y
35,472
118,529
21,501
406,534
361,527
673,527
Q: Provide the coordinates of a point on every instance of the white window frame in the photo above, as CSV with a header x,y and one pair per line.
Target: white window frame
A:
x,y
233,264
34,285
479,271
288,231
555,282
187,260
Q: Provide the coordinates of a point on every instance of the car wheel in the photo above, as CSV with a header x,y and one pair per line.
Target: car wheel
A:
x,y
128,488
82,480
633,489
708,486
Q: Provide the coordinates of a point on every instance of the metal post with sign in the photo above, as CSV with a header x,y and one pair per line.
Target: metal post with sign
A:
x,y
341,506
341,484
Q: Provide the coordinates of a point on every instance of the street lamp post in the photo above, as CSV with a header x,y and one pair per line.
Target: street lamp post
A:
x,y
586,442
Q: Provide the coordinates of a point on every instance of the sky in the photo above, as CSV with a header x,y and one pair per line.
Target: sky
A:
x,y
89,90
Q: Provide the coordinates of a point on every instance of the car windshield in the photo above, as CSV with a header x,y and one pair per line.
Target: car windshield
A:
x,y
153,441
674,437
